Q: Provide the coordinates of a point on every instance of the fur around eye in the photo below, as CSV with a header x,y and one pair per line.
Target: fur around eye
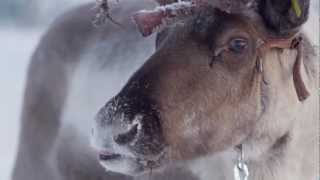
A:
x,y
238,45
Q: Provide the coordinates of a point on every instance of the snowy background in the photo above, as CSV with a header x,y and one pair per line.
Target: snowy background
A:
x,y
21,25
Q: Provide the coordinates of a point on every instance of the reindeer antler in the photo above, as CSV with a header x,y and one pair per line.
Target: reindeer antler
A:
x,y
149,21
103,13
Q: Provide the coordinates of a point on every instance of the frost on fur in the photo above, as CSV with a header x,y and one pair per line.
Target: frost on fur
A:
x,y
149,21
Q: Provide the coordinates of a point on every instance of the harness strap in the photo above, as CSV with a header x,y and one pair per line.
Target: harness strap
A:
x,y
293,42
281,43
299,84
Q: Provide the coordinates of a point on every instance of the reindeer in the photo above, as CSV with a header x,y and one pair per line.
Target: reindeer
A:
x,y
217,85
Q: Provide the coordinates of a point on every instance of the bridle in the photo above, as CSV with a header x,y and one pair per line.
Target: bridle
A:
x,y
293,42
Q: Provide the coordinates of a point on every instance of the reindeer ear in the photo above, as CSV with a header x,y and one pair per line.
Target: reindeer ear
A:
x,y
299,83
284,17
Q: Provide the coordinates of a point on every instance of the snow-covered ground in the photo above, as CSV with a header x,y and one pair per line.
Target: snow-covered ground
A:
x,y
16,46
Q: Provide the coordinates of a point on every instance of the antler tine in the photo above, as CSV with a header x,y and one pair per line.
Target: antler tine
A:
x,y
149,21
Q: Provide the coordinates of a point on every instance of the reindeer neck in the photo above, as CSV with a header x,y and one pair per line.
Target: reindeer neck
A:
x,y
294,155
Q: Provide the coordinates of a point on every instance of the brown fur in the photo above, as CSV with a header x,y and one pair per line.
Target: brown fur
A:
x,y
210,99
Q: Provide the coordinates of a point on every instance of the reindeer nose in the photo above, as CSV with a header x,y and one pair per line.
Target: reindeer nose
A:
x,y
127,137
130,125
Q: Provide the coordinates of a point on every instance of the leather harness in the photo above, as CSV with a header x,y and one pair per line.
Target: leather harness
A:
x,y
293,42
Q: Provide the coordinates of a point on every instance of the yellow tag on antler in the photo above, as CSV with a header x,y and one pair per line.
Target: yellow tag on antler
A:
x,y
296,7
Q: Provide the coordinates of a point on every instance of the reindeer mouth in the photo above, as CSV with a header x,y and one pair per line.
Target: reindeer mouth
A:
x,y
129,165
108,156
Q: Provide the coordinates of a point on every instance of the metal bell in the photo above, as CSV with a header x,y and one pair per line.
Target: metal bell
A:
x,y
241,170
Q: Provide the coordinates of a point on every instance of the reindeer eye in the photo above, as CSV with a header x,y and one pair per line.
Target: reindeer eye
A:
x,y
238,45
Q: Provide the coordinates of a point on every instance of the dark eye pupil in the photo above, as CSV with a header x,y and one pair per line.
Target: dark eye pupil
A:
x,y
238,45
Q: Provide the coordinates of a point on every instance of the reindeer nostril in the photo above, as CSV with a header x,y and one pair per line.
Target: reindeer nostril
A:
x,y
127,137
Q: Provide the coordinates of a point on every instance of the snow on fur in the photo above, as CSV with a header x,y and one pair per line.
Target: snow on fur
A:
x,y
149,21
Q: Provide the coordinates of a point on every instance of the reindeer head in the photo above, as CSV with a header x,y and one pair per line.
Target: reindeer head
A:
x,y
201,92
